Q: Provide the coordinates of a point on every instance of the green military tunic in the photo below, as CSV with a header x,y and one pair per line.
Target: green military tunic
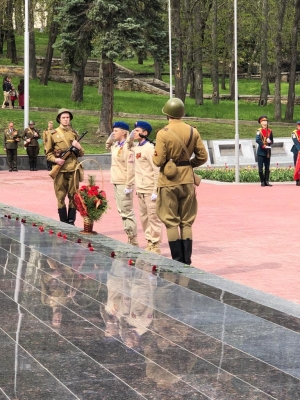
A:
x,y
176,204
11,140
66,183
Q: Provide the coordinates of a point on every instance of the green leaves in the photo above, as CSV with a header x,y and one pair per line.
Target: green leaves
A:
x,y
248,174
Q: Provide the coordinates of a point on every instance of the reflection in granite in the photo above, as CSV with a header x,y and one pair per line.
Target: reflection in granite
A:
x,y
100,328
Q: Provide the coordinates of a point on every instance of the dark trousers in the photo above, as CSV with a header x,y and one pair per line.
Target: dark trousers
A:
x,y
11,155
263,161
32,152
295,158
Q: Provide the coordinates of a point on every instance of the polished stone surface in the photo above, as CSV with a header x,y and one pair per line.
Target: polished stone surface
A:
x,y
83,324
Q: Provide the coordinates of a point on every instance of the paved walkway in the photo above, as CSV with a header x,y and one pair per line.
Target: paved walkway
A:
x,y
243,232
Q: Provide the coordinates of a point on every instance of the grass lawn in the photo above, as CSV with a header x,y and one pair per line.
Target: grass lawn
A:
x,y
57,95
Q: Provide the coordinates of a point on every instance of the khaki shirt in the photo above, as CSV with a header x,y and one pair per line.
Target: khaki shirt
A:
x,y
59,140
11,139
122,165
168,147
146,173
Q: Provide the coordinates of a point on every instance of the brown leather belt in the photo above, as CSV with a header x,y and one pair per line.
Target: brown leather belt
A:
x,y
182,163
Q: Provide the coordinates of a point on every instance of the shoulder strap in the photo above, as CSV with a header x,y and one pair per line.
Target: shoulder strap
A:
x,y
185,147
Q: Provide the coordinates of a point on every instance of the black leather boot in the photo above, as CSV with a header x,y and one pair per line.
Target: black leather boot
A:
x,y
262,178
34,163
71,216
63,216
267,178
187,245
176,250
31,165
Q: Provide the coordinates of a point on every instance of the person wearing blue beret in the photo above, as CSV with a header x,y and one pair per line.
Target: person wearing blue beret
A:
x,y
296,146
146,176
122,177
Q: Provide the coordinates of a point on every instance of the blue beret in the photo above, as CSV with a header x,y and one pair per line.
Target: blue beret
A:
x,y
144,125
121,124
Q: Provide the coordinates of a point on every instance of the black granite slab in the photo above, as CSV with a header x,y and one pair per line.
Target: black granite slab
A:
x,y
156,335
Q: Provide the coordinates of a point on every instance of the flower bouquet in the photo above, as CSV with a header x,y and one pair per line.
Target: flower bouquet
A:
x,y
91,203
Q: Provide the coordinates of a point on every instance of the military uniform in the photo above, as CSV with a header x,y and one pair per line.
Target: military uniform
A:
x,y
32,147
176,204
11,139
264,139
146,176
66,182
296,146
122,177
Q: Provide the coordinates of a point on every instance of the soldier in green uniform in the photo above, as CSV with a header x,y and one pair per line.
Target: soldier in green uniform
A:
x,y
31,136
67,180
11,139
176,204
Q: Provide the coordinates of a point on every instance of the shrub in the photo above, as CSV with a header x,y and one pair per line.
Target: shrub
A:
x,y
248,174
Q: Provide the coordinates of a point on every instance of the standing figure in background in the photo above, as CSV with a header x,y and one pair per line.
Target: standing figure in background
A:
x,y
66,181
45,134
11,140
176,204
13,96
264,139
31,136
6,92
296,146
21,93
122,177
146,176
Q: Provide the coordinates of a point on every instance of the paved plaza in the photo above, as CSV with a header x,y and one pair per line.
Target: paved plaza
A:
x,y
81,324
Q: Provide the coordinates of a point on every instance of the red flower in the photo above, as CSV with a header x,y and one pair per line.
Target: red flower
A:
x,y
91,248
78,240
154,268
112,254
59,234
103,194
50,231
64,236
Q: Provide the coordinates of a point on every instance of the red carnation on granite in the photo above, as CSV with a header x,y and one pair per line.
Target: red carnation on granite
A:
x,y
113,254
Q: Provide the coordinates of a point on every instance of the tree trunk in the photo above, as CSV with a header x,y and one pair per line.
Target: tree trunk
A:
x,y
198,71
177,34
78,82
215,60
32,58
289,112
10,35
232,63
157,69
19,17
264,91
53,31
106,117
278,51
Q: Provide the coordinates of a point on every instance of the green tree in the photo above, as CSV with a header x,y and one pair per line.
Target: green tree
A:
x,y
75,41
